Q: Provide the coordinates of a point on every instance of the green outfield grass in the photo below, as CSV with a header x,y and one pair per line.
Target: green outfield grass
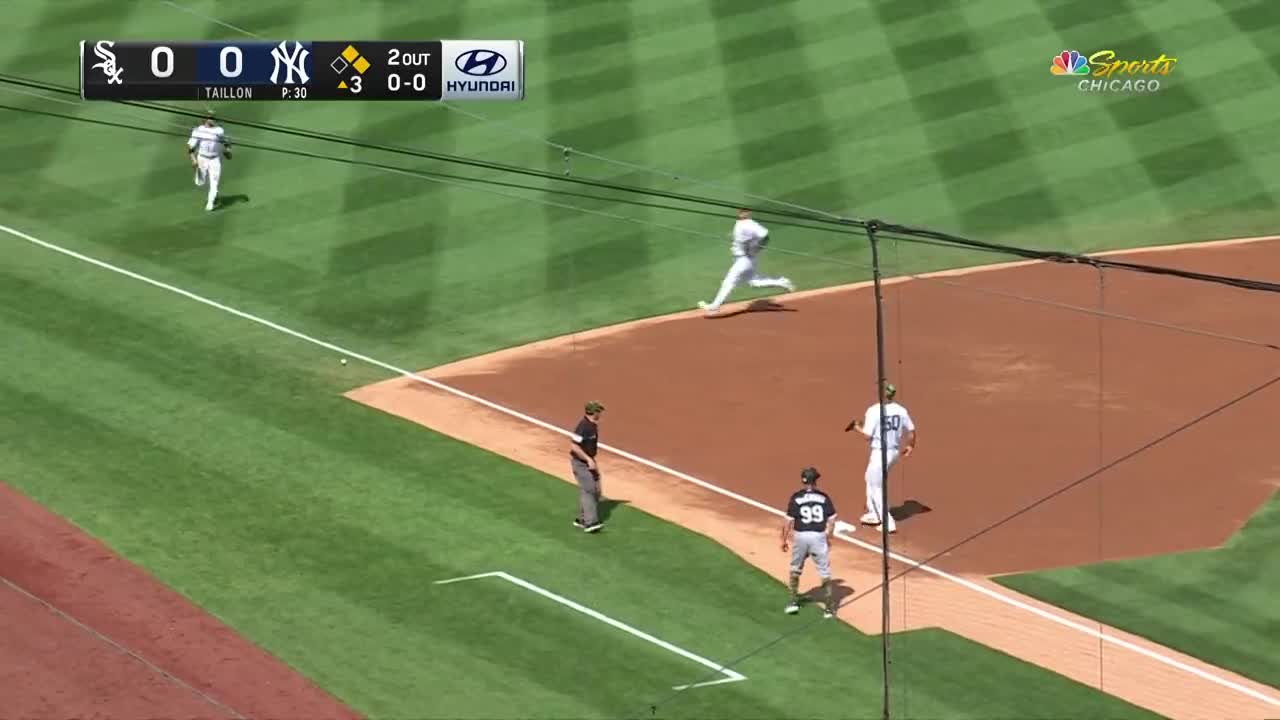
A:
x,y
1217,604
221,456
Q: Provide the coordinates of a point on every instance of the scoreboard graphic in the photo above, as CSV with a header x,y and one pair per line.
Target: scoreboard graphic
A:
x,y
302,70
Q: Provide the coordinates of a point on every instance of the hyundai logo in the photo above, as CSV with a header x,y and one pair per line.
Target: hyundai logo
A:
x,y
481,62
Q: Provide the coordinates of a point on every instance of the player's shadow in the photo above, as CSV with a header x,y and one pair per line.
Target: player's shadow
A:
x,y
761,305
908,509
606,507
225,202
839,592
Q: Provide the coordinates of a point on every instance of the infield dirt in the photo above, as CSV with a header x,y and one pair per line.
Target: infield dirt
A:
x,y
89,635
1015,400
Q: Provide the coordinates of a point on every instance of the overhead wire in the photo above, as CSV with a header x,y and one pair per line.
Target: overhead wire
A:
x,y
470,183
1003,520
794,212
478,183
821,218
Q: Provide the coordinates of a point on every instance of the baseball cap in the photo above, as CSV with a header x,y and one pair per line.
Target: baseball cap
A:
x,y
594,407
809,475
890,389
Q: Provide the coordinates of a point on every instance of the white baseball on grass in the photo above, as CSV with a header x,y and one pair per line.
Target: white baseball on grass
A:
x,y
343,361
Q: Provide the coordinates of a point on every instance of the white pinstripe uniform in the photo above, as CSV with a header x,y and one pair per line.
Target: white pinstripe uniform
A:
x,y
209,143
747,238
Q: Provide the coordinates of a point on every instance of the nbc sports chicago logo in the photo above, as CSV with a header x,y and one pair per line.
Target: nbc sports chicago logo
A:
x,y
1103,71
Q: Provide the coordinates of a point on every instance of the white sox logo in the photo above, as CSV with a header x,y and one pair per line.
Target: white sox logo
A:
x,y
108,64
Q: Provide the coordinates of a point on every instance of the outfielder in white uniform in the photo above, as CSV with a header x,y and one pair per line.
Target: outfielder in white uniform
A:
x,y
207,146
897,424
749,238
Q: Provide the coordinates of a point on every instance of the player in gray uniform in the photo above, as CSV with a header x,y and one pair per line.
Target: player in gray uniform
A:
x,y
811,516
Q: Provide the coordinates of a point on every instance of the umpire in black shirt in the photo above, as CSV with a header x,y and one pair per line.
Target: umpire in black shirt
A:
x,y
582,458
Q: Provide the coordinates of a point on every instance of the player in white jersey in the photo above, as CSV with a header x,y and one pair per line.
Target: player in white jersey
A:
x,y
207,146
897,427
749,238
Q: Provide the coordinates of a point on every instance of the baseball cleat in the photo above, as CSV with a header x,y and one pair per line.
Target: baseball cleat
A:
x,y
597,527
790,287
828,613
577,522
891,530
792,609
869,519
707,307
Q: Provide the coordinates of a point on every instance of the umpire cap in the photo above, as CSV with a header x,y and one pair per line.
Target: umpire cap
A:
x,y
809,475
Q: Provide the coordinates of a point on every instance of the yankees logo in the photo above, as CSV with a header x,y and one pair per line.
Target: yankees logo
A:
x,y
292,61
108,64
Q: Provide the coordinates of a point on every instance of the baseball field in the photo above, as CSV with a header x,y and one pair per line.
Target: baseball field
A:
x,y
305,455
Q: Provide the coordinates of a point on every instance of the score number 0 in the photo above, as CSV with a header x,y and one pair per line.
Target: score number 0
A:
x,y
230,61
394,83
418,82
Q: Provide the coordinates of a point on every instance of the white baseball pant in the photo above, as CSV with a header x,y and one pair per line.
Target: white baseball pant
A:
x,y
743,270
209,169
875,485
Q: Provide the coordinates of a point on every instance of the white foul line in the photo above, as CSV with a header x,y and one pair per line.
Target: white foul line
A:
x,y
729,675
1012,602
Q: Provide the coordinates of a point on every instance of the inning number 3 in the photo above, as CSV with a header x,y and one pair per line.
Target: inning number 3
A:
x,y
812,513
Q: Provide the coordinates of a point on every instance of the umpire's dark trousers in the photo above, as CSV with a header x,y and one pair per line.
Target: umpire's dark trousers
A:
x,y
588,491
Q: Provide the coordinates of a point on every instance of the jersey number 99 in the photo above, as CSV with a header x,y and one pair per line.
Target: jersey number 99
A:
x,y
812,513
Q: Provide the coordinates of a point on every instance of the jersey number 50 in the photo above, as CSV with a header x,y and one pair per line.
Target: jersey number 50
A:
x,y
812,513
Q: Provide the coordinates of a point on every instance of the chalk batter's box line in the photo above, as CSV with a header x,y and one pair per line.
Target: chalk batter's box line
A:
x,y
729,675
523,417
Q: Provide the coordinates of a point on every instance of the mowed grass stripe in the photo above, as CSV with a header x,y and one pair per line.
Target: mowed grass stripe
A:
x,y
47,45
1257,22
782,131
400,499
584,250
1158,128
50,48
1178,601
386,228
306,539
979,104
570,651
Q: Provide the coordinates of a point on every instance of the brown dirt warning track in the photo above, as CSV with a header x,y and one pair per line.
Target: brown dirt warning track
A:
x,y
87,634
1014,400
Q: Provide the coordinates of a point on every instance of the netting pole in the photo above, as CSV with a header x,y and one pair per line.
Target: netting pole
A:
x,y
873,227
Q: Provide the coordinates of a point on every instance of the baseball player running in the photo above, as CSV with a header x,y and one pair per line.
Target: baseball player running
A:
x,y
206,148
811,516
897,421
749,238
